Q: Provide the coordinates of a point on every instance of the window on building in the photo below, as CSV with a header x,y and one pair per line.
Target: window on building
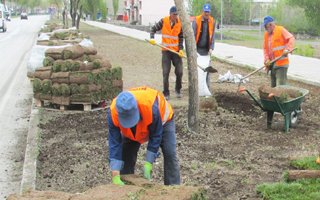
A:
x,y
140,5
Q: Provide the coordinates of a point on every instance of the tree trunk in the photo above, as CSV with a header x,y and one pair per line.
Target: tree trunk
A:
x,y
65,14
299,174
79,17
193,110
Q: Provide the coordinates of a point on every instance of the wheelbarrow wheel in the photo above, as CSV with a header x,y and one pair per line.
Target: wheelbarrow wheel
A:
x,y
295,117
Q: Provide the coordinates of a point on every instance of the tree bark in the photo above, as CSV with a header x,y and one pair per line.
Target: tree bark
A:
x,y
193,110
79,15
299,174
65,14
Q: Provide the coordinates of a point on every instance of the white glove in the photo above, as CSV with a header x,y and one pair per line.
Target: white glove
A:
x,y
210,52
286,52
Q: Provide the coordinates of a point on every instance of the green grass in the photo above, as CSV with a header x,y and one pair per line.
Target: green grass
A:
x,y
305,50
303,189
298,190
306,163
254,39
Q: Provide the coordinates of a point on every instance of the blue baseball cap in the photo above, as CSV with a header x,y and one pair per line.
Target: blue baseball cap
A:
x,y
173,9
127,108
267,19
206,7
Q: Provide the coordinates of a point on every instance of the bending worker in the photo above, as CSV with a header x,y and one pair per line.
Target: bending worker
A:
x,y
136,116
277,41
172,38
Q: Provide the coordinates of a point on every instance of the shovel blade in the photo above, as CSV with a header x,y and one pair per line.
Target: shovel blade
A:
x,y
210,69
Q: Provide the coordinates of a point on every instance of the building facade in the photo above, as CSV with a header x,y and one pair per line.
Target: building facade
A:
x,y
146,12
110,10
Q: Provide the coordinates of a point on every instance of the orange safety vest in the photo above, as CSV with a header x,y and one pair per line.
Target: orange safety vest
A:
x,y
145,98
278,45
199,28
170,36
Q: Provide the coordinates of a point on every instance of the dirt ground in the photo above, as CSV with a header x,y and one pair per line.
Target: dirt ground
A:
x,y
230,156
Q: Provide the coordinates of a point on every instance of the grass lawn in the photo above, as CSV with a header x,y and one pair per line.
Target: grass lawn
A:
x,y
304,189
254,39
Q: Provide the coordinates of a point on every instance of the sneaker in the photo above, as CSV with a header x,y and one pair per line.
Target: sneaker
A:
x,y
178,94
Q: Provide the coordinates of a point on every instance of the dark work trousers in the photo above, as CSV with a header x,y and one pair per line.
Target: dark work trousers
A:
x,y
279,75
168,146
167,58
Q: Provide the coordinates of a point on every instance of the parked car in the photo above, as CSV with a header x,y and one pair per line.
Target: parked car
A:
x,y
24,15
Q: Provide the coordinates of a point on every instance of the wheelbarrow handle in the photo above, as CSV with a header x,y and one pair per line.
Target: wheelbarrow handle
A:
x,y
241,90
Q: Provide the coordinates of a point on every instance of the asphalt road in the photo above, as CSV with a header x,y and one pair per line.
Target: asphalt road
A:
x,y
15,98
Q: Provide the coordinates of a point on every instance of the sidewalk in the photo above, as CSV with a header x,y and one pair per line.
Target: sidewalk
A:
x,y
301,68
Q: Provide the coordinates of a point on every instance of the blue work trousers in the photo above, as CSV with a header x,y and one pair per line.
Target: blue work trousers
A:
x,y
168,147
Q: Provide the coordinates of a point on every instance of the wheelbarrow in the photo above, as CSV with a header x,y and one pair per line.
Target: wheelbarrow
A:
x,y
290,109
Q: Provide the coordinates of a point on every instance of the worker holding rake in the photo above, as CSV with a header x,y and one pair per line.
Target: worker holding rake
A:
x,y
137,116
172,38
277,42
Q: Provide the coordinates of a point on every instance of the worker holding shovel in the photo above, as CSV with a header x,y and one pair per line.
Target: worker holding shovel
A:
x,y
277,42
137,116
172,38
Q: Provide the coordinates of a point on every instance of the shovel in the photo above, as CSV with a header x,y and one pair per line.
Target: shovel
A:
x,y
208,69
271,63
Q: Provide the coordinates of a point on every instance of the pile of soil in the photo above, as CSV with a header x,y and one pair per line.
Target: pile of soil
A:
x,y
283,94
135,188
231,154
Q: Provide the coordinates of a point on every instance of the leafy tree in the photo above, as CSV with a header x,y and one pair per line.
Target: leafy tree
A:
x,y
311,10
92,7
115,4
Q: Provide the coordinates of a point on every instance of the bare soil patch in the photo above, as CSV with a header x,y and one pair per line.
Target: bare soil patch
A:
x,y
232,153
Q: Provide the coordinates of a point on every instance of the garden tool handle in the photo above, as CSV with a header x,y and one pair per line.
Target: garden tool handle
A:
x,y
160,45
184,56
271,63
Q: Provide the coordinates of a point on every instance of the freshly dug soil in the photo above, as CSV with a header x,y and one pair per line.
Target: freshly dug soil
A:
x,y
232,153
283,94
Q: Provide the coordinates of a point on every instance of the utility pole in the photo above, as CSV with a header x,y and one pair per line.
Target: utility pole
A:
x,y
221,20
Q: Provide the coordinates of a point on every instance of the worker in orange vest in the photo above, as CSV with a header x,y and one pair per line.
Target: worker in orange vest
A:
x,y
277,42
136,116
172,38
204,30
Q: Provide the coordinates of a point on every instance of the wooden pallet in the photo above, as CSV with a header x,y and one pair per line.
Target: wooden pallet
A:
x,y
80,106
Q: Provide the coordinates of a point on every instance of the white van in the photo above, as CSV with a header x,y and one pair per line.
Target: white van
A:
x,y
3,25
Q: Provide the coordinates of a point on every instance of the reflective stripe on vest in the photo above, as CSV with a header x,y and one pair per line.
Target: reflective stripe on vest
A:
x,y
167,114
170,36
145,98
199,27
278,45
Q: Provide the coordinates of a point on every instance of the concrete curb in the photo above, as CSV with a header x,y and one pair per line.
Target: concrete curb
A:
x,y
30,160
296,78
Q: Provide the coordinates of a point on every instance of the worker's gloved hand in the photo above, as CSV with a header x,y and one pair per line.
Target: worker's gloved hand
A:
x,y
152,41
267,64
286,52
181,53
147,170
116,180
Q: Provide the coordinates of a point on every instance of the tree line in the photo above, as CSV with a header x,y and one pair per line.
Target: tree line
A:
x,y
299,16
